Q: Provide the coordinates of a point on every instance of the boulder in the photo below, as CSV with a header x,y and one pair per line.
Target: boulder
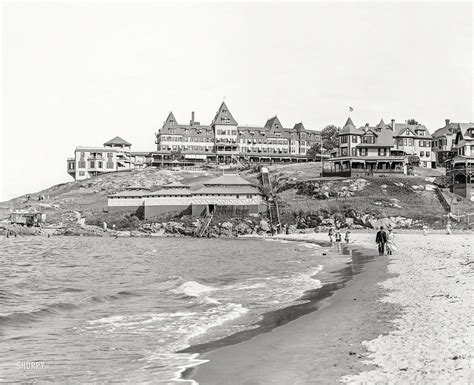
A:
x,y
327,222
243,229
264,226
175,228
227,225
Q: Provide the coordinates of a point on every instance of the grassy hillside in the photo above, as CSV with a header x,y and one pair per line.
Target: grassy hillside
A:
x,y
299,186
90,196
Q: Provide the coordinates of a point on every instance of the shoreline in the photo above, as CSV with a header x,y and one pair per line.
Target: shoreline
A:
x,y
263,354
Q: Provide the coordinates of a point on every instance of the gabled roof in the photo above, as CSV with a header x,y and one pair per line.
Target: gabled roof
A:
x,y
299,127
223,116
117,141
400,128
228,180
273,123
383,138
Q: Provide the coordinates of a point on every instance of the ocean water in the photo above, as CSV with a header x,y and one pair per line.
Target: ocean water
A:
x,y
77,309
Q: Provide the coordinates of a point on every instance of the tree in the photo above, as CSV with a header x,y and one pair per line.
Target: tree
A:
x,y
329,137
314,150
412,121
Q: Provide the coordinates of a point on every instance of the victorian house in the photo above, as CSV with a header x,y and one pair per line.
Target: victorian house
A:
x,y
460,168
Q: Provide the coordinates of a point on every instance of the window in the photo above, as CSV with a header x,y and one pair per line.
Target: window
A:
x,y
82,164
354,138
382,152
100,164
354,152
368,139
83,154
110,155
410,142
249,196
344,139
422,153
405,142
92,164
427,153
81,173
363,152
344,151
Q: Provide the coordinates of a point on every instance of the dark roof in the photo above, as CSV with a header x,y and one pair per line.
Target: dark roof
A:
x,y
223,116
117,140
299,127
228,180
169,191
382,125
175,185
232,190
401,127
273,123
350,128
383,138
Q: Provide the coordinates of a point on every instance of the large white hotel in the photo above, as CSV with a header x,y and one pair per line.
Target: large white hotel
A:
x,y
225,141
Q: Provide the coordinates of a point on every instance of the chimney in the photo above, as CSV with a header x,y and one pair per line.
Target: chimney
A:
x,y
393,124
192,119
447,122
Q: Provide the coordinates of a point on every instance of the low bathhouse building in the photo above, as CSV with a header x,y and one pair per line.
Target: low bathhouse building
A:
x,y
228,192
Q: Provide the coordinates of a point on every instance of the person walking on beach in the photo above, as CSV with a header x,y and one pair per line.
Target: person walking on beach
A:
x,y
346,238
391,242
381,240
331,234
338,236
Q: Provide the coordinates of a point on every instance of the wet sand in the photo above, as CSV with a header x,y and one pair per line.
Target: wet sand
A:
x,y
315,343
405,318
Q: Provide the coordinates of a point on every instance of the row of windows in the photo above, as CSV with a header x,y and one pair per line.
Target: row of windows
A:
x,y
92,163
238,196
226,132
265,150
98,154
186,139
410,142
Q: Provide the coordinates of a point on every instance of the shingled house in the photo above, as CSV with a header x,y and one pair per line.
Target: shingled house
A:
x,y
229,192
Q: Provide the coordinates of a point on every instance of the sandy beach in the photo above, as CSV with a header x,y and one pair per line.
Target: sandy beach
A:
x,y
405,318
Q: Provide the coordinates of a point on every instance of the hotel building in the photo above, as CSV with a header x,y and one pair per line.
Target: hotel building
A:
x,y
225,141
115,155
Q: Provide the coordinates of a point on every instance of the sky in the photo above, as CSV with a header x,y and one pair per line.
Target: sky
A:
x,y
79,74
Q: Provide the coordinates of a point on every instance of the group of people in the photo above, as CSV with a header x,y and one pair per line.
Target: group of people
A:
x,y
385,240
335,234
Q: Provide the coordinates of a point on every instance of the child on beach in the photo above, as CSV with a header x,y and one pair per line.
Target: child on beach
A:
x,y
331,234
346,238
425,230
448,227
391,242
338,236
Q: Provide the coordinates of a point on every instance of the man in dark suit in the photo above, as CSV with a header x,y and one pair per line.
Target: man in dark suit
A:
x,y
381,239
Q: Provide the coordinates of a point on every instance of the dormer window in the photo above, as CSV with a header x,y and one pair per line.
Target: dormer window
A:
x,y
277,126
172,122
